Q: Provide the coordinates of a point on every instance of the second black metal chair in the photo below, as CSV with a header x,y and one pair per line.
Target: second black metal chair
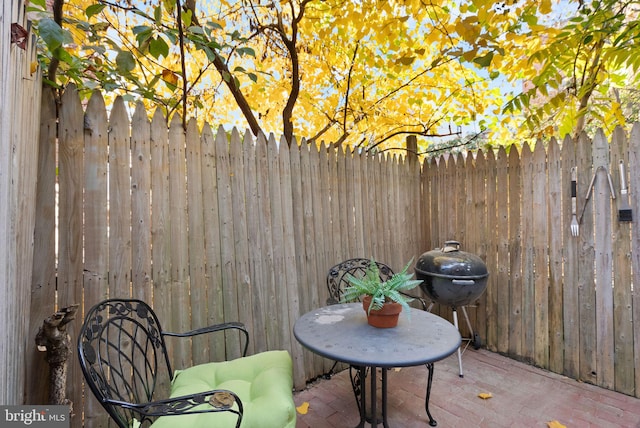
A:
x,y
336,284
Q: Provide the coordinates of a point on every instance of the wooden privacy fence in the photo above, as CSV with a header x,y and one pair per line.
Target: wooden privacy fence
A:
x,y
212,226
562,302
209,227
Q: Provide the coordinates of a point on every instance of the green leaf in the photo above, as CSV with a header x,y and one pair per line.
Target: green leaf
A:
x,y
94,9
125,62
484,61
247,51
157,14
186,18
51,33
37,6
158,47
214,25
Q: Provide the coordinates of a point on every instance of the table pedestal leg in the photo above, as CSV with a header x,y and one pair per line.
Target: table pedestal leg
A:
x,y
432,421
359,389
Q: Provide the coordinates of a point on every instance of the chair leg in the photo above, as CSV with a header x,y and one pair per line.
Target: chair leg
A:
x,y
358,376
432,421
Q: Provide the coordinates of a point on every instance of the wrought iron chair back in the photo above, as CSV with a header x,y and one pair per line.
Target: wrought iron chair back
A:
x,y
123,356
337,276
123,352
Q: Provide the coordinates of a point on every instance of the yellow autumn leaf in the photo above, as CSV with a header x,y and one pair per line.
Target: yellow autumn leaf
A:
x,y
303,408
170,77
34,66
555,424
485,395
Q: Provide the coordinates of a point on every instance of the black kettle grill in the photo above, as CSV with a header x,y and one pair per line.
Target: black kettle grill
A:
x,y
454,278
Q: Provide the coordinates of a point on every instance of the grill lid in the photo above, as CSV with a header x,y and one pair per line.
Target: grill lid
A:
x,y
449,262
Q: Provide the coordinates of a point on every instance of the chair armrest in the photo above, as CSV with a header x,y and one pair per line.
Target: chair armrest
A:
x,y
219,400
213,328
422,301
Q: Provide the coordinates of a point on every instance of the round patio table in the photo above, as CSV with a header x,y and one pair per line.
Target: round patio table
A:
x,y
341,333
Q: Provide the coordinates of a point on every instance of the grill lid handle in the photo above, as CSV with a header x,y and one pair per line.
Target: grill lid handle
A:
x,y
450,246
463,282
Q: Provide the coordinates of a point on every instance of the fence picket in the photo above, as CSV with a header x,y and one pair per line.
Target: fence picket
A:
x,y
141,204
501,275
70,178
634,186
602,202
540,284
197,254
515,252
555,234
43,287
586,260
622,291
179,319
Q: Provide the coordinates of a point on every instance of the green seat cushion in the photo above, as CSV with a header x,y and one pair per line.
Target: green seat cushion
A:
x,y
264,383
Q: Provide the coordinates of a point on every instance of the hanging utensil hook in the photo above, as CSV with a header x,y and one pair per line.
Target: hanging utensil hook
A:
x,y
593,180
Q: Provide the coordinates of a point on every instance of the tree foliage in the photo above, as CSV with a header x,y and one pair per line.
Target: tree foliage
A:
x,y
363,73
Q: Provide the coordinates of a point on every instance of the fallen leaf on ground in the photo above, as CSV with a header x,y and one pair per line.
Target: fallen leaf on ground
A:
x,y
303,408
485,395
555,424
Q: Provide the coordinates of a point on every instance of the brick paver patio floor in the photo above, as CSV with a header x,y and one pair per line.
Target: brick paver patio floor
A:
x,y
521,396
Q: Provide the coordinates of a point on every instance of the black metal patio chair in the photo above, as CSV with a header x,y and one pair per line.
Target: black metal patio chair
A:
x,y
123,353
337,278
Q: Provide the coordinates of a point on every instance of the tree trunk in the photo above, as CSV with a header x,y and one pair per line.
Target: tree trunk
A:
x,y
53,338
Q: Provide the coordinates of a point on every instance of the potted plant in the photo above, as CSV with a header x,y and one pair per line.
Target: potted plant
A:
x,y
383,300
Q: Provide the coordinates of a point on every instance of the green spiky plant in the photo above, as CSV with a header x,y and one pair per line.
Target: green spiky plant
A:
x,y
380,291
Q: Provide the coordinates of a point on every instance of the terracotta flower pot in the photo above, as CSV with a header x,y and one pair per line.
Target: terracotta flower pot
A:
x,y
386,317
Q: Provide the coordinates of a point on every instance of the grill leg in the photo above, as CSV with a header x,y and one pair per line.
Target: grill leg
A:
x,y
455,323
466,317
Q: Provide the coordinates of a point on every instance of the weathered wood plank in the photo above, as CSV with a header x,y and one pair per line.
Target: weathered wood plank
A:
x,y
289,279
160,219
70,239
96,249
476,216
622,274
501,274
515,252
255,244
180,319
570,286
556,185
634,192
586,260
528,255
242,286
490,250
196,244
540,223
268,293
602,202
281,300
211,218
43,281
141,205
119,201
